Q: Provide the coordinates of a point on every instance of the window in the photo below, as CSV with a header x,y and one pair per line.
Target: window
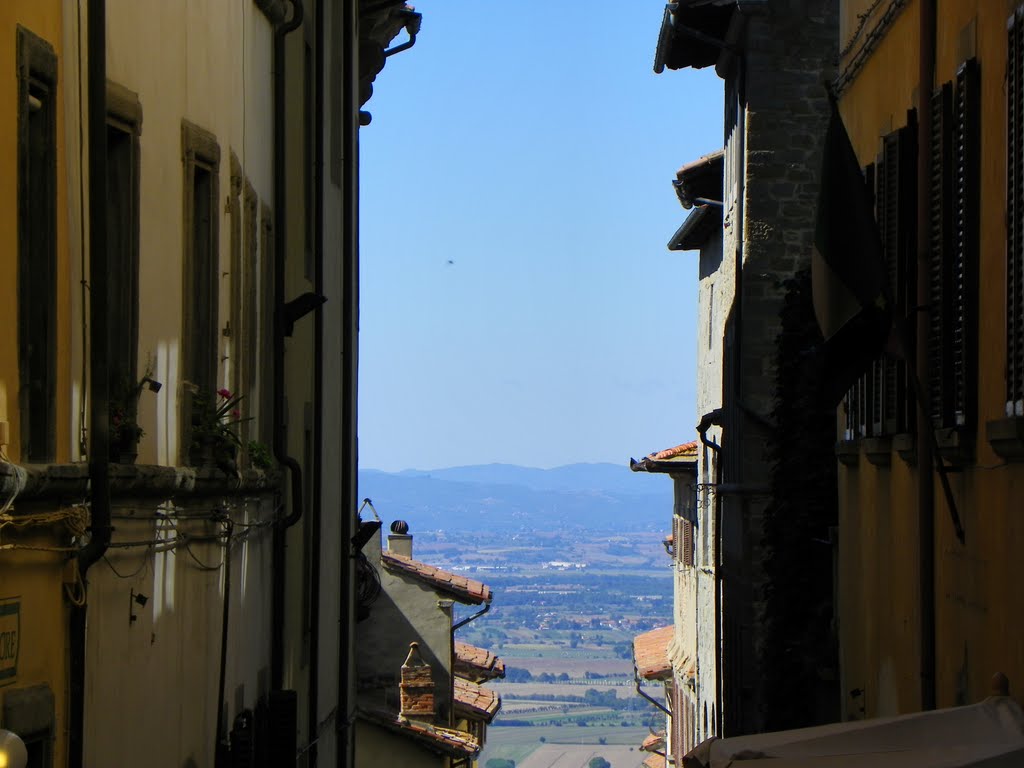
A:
x,y
243,334
1015,216
266,326
37,246
124,125
892,405
953,199
202,274
858,405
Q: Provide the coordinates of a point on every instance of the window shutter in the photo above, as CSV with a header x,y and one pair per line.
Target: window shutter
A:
x,y
876,376
895,206
1015,214
964,272
941,248
686,544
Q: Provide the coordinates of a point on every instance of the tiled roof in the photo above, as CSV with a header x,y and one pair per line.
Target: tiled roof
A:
x,y
476,701
650,654
462,589
675,459
654,742
655,761
445,741
477,663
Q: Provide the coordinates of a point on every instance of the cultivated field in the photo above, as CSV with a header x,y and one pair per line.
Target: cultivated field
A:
x,y
573,745
574,756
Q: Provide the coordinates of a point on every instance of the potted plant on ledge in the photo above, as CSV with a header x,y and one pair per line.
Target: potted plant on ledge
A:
x,y
123,423
215,440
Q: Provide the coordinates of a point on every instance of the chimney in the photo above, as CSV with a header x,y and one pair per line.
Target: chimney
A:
x,y
400,540
417,686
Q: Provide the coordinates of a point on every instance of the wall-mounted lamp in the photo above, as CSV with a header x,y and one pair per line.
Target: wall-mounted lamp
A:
x,y
152,384
134,598
12,750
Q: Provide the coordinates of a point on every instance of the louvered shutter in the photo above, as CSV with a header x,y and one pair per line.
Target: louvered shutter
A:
x,y
941,226
876,376
964,277
686,554
1015,214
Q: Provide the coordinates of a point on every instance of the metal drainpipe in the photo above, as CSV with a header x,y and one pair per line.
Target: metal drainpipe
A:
x,y
455,626
280,441
99,456
318,384
350,342
925,457
709,419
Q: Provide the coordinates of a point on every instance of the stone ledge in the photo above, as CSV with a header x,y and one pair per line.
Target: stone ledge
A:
x,y
71,481
878,450
1006,436
848,452
956,445
905,445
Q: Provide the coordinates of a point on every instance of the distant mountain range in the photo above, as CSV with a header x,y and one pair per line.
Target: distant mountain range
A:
x,y
505,497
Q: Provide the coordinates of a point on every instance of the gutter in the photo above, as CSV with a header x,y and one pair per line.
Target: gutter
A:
x,y
99,444
280,436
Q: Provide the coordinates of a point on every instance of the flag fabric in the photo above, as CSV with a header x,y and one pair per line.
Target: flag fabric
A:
x,y
848,276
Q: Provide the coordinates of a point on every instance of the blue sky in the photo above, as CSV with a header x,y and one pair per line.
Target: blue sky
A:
x,y
532,146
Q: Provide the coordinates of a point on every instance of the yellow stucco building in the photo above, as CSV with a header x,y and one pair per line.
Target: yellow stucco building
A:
x,y
931,92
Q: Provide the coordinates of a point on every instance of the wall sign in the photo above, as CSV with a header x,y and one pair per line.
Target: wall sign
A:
x,y
10,638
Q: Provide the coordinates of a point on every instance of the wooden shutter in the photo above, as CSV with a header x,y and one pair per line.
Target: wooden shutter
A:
x,y
686,544
895,206
940,204
1015,213
964,272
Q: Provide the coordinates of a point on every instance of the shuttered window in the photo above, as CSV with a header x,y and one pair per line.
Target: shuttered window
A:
x,y
1015,216
953,200
858,405
895,203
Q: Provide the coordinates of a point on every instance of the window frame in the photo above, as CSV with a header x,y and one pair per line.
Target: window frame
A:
x,y
37,249
200,348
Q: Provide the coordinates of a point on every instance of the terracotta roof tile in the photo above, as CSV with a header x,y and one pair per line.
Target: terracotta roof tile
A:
x,y
477,664
654,742
675,459
476,701
445,741
650,654
462,589
655,761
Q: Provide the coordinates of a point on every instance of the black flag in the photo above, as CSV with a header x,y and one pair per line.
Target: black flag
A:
x,y
848,275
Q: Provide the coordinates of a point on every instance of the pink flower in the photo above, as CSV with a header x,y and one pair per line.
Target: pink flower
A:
x,y
236,414
226,394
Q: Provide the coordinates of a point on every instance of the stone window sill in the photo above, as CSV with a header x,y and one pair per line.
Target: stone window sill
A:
x,y
878,450
905,445
1006,436
848,452
71,481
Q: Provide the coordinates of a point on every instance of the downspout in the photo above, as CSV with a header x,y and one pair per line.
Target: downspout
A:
x,y
99,455
655,702
451,645
222,744
280,436
715,417
925,455
349,365
312,705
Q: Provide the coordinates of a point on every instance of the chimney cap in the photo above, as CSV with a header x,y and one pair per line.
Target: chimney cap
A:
x,y
400,527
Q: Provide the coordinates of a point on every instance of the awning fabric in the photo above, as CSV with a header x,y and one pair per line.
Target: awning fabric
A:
x,y
990,733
